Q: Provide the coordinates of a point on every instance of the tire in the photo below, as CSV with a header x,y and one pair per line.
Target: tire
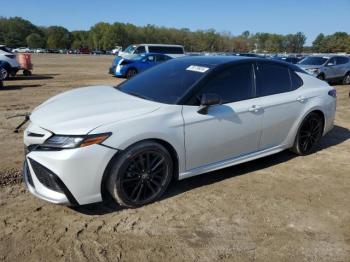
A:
x,y
4,74
321,77
309,134
346,79
140,175
27,73
130,73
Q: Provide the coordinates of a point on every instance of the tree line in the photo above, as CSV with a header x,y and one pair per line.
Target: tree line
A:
x,y
16,32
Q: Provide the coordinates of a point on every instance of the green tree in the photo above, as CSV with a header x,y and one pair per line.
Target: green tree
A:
x,y
58,37
14,30
35,40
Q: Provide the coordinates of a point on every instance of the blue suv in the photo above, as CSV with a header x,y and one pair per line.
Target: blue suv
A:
x,y
130,66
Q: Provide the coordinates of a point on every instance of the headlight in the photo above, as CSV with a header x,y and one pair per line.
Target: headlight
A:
x,y
66,142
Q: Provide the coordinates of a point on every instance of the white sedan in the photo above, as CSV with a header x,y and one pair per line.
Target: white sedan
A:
x,y
185,117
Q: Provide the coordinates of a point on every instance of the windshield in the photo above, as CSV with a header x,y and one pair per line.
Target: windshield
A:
x,y
5,49
165,83
313,60
130,49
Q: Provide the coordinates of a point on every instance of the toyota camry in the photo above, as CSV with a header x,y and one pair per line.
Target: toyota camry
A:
x,y
185,117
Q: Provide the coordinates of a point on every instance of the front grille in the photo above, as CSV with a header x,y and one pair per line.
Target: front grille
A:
x,y
45,176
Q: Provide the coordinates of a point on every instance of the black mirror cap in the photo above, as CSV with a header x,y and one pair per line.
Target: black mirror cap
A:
x,y
210,99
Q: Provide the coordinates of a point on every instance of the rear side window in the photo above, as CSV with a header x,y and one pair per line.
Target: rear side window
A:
x,y
296,80
232,84
272,79
342,60
165,49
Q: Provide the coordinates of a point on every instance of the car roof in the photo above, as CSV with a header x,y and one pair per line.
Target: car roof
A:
x,y
159,45
217,60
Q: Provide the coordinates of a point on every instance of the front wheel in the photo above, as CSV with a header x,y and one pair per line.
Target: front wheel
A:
x,y
346,79
321,77
140,175
130,73
309,134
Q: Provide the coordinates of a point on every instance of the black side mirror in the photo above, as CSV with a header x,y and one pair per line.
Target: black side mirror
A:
x,y
208,100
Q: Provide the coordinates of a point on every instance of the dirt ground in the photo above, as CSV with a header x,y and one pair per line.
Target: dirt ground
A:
x,y
279,208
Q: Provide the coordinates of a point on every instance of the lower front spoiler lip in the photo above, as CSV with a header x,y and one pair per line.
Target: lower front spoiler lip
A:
x,y
63,201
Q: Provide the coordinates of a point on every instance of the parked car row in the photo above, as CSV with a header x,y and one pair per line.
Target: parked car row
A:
x,y
137,58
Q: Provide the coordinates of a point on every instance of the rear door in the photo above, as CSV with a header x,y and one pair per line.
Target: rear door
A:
x,y
331,69
277,86
343,66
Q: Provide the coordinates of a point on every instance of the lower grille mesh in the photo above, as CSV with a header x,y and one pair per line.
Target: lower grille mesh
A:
x,y
45,176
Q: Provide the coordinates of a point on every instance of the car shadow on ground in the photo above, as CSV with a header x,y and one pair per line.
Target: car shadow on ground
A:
x,y
16,87
337,136
32,77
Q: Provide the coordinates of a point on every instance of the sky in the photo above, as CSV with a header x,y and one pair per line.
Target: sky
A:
x,y
273,16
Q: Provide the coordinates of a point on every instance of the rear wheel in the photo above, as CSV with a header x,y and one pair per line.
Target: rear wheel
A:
x,y
309,134
4,73
346,79
130,73
140,175
27,73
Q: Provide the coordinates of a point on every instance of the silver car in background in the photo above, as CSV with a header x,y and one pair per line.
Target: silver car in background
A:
x,y
329,68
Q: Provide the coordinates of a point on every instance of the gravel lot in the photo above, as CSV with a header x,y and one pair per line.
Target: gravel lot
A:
x,y
279,208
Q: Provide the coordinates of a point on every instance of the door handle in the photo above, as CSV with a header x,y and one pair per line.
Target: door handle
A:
x,y
255,109
301,99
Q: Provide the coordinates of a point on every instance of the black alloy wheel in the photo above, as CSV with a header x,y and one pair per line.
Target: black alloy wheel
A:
x,y
141,175
309,134
130,73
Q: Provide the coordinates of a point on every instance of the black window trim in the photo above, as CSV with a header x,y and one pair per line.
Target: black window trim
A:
x,y
193,90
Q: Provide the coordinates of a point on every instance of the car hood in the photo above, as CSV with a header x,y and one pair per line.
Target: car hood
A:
x,y
309,66
81,110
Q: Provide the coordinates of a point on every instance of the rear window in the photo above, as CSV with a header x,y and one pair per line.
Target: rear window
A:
x,y
313,60
165,83
166,49
342,60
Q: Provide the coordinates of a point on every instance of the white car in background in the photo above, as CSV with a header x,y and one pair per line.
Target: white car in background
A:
x,y
10,64
21,50
135,50
185,117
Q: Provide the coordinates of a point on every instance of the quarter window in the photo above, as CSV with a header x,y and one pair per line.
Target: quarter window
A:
x,y
232,84
272,79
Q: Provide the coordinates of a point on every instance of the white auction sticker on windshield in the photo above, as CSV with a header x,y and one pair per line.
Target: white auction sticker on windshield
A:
x,y
200,69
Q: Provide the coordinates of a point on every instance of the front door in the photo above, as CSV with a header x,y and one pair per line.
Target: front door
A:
x,y
228,130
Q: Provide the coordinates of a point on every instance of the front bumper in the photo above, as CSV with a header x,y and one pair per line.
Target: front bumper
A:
x,y
70,176
117,70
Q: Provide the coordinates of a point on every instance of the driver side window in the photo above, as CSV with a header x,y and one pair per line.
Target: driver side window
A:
x,y
232,84
331,61
140,50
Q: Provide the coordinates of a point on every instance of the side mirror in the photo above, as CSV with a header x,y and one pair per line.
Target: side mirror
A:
x,y
330,64
208,100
